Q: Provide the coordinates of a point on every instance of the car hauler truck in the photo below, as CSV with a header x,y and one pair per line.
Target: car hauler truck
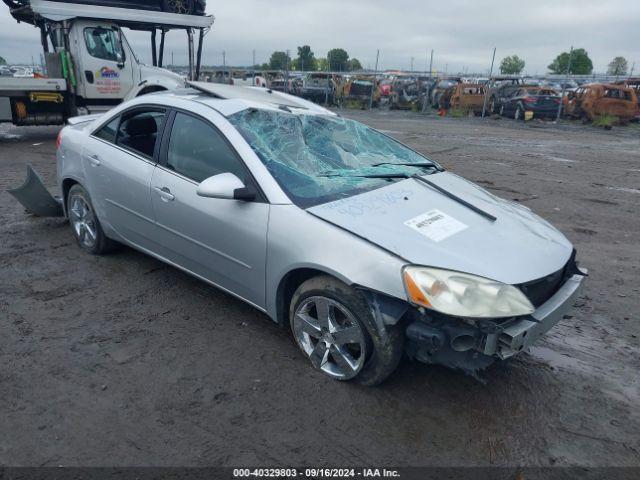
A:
x,y
90,64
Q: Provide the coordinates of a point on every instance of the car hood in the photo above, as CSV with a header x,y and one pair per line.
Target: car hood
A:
x,y
425,227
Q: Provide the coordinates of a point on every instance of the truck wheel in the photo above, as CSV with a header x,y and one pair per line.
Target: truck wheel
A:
x,y
185,7
84,223
335,329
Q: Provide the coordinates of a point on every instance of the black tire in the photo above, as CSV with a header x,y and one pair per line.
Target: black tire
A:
x,y
102,244
519,113
184,7
384,348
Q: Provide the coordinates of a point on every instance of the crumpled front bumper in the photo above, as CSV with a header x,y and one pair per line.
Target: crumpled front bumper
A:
x,y
471,347
522,333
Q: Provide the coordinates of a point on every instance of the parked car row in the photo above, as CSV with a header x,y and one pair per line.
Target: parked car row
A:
x,y
513,97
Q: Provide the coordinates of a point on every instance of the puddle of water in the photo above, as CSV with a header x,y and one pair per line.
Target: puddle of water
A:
x,y
623,189
559,159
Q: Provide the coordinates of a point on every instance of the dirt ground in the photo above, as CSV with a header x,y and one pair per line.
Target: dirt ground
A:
x,y
121,360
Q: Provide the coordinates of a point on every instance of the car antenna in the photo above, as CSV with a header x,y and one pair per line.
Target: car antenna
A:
x,y
486,215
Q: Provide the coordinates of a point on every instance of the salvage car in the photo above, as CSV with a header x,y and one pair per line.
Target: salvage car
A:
x,y
405,94
362,90
185,7
468,98
541,102
360,245
596,99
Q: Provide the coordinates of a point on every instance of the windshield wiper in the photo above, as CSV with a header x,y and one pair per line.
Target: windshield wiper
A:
x,y
408,164
368,175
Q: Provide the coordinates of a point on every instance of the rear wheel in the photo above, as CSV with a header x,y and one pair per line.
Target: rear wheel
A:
x,y
84,223
334,327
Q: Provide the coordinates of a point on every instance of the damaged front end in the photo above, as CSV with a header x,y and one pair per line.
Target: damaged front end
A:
x,y
35,197
471,345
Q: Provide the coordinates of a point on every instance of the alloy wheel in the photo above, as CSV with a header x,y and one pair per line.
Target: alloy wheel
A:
x,y
83,221
330,336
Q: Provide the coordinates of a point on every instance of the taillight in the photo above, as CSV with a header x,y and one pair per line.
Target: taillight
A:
x,y
59,140
529,100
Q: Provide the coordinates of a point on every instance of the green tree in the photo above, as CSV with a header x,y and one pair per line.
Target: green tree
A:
x,y
305,60
338,59
618,66
322,64
354,64
511,65
278,61
2,61
581,64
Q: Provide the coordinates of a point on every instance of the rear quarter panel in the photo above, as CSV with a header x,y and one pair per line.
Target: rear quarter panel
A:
x,y
69,154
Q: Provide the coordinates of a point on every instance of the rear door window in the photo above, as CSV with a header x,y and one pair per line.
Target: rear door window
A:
x,y
138,131
108,132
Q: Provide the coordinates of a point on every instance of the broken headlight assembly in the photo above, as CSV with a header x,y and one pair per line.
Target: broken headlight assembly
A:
x,y
463,295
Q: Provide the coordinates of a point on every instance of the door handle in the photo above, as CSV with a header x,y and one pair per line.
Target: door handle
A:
x,y
94,160
165,194
88,74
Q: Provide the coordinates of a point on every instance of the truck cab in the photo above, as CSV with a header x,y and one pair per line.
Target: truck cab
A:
x,y
90,64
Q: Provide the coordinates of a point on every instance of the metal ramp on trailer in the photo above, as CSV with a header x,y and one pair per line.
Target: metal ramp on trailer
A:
x,y
37,10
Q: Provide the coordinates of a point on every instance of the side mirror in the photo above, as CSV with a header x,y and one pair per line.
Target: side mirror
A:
x,y
226,186
119,60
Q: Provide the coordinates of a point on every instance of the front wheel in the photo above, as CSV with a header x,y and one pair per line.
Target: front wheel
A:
x,y
334,327
84,223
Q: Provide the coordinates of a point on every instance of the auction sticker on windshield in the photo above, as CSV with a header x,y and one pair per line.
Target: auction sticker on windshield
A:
x,y
435,225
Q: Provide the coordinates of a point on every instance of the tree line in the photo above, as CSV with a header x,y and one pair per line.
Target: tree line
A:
x,y
576,62
337,60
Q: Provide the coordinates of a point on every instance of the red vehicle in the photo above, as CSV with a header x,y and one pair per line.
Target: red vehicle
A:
x,y
385,88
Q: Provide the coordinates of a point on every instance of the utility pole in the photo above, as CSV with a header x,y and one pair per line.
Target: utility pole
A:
x,y
326,90
431,64
224,67
486,88
633,67
375,75
286,74
254,59
428,91
412,63
566,79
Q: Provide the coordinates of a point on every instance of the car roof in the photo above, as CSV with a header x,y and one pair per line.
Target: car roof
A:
x,y
230,99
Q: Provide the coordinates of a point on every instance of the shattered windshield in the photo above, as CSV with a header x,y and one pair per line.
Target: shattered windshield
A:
x,y
321,158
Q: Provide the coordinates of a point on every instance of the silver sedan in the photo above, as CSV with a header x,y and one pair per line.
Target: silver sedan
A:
x,y
365,248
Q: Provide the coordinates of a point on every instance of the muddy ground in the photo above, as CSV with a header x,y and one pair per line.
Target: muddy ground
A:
x,y
121,360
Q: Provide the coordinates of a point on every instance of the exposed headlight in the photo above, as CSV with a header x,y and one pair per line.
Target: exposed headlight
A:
x,y
463,295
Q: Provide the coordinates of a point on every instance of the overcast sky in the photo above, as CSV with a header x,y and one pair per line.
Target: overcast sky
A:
x,y
462,33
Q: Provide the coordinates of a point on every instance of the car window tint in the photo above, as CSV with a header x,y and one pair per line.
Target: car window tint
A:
x,y
138,132
108,132
198,151
103,43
